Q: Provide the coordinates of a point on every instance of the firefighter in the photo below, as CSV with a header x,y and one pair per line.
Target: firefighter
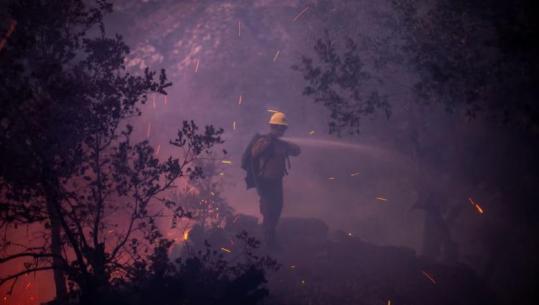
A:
x,y
270,163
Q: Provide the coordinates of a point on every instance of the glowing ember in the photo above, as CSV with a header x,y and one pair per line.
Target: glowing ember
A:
x,y
196,67
302,282
311,132
226,162
388,302
476,206
276,55
212,193
350,234
429,277
221,174
381,198
272,110
148,130
226,250
354,174
300,14
293,267
240,100
10,31
186,234
332,178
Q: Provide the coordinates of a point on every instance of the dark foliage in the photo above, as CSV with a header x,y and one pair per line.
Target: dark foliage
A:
x,y
69,166
342,85
205,277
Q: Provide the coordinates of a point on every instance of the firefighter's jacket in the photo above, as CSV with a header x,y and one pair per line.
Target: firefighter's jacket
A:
x,y
270,156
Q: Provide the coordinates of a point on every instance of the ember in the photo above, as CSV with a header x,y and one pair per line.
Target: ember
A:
x,y
276,55
429,277
476,206
10,31
300,14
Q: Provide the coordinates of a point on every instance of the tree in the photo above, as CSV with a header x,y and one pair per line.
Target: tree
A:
x,y
342,84
477,60
475,57
68,160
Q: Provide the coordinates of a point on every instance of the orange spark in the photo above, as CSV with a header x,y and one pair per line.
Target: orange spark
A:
x,y
429,277
196,67
276,55
226,250
272,110
301,13
148,131
381,198
226,161
476,206
186,234
240,100
221,174
388,302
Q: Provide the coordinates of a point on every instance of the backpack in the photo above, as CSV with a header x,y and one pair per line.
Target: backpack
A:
x,y
247,163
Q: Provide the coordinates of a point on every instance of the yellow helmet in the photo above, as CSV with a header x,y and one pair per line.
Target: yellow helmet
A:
x,y
278,118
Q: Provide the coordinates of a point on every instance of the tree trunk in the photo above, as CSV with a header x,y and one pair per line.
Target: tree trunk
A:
x,y
56,245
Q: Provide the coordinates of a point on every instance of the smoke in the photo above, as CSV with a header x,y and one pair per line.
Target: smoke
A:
x,y
216,52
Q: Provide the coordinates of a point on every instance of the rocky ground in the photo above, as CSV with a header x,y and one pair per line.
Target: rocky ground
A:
x,y
319,267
